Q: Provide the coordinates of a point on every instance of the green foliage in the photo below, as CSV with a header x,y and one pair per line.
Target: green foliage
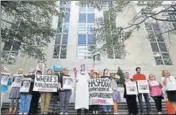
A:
x,y
29,22
122,77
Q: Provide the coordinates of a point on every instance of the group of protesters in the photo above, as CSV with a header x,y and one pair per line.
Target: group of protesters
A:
x,y
28,101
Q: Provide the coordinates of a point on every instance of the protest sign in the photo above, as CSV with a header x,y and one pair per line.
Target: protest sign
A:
x,y
131,88
5,79
143,86
46,83
154,83
25,85
67,82
100,91
17,80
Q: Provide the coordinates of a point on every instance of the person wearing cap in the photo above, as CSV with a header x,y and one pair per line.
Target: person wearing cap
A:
x,y
64,94
14,95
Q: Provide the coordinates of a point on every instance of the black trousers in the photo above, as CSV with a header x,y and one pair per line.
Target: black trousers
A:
x,y
132,104
34,102
79,111
95,107
158,102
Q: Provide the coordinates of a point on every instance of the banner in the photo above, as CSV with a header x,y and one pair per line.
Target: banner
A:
x,y
46,83
143,86
25,85
5,79
67,82
131,88
100,92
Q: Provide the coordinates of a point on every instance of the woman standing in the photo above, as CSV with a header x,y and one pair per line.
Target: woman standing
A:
x,y
82,90
156,92
45,98
169,83
64,94
107,108
95,108
14,95
130,99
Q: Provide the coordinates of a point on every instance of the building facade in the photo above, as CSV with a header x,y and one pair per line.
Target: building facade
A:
x,y
147,48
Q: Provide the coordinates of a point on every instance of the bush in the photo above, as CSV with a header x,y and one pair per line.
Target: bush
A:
x,y
121,81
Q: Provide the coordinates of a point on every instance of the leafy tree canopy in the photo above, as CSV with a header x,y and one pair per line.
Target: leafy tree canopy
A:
x,y
30,24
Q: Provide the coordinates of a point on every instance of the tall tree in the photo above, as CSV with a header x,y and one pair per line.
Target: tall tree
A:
x,y
122,77
28,23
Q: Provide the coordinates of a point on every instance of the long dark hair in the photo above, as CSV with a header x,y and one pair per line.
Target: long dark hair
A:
x,y
104,71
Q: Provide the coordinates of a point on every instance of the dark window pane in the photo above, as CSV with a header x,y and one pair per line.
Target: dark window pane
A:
x,y
155,47
151,36
58,39
91,18
7,46
56,51
67,17
65,39
158,59
67,10
63,52
82,18
162,47
91,48
155,26
16,46
81,39
66,28
166,59
91,39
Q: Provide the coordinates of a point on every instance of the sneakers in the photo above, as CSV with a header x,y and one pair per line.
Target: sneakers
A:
x,y
159,112
20,113
66,113
61,113
25,113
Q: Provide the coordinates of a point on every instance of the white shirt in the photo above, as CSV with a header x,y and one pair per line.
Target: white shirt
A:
x,y
170,83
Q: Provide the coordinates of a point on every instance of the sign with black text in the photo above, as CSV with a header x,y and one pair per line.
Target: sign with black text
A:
x,y
100,91
5,79
131,88
46,83
25,85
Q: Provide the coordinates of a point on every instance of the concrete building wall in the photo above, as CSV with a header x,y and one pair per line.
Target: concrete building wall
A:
x,y
139,52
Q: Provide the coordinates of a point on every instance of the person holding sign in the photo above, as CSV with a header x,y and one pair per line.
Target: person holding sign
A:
x,y
15,92
130,92
26,94
65,87
106,74
156,92
45,98
169,83
5,82
82,90
139,77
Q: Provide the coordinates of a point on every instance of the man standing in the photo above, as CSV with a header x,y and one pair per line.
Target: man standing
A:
x,y
138,76
82,90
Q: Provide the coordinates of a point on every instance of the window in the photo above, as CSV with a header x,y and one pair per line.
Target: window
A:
x,y
58,39
67,17
85,52
91,18
82,18
86,8
158,45
91,39
65,39
81,39
10,52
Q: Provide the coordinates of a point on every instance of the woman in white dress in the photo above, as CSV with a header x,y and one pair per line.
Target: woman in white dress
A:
x,y
82,91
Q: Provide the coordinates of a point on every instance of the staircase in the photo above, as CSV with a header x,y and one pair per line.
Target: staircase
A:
x,y
122,108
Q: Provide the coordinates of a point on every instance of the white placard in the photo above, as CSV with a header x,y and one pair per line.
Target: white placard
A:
x,y
143,86
131,88
100,91
17,81
67,82
154,83
25,86
46,83
4,79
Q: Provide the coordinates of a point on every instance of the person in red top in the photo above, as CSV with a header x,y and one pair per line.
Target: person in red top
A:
x,y
136,77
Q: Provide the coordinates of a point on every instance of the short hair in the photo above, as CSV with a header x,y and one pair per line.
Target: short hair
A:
x,y
163,72
137,68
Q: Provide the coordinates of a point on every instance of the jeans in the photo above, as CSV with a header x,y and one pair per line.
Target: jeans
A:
x,y
107,108
146,97
45,101
158,103
25,102
64,97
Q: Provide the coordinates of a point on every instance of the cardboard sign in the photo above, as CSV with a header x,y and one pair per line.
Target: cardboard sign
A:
x,y
5,79
100,92
131,88
46,83
26,86
67,82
